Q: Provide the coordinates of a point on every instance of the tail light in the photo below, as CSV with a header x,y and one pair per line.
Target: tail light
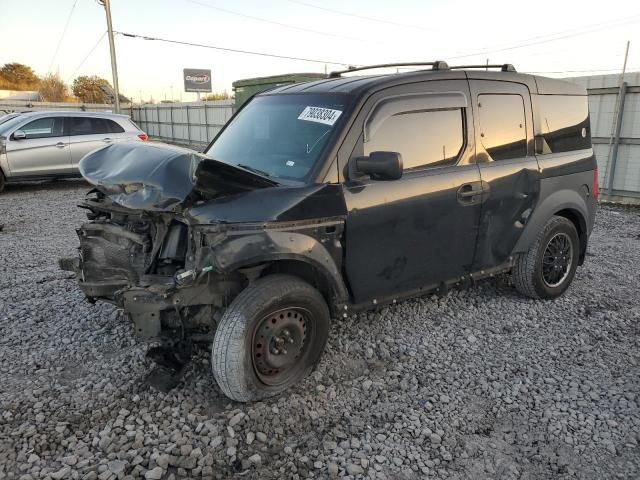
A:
x,y
596,188
3,145
143,136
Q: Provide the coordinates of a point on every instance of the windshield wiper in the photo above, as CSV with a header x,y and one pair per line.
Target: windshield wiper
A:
x,y
254,170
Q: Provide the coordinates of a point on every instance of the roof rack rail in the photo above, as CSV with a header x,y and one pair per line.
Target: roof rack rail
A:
x,y
505,67
437,65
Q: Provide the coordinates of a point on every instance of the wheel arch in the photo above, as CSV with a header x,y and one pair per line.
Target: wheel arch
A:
x,y
296,254
3,179
319,278
564,203
580,223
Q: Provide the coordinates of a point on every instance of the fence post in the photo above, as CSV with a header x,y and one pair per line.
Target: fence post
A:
x,y
206,125
173,136
188,126
146,121
616,139
159,125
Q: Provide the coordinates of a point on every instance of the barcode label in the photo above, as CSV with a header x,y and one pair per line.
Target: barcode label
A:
x,y
327,116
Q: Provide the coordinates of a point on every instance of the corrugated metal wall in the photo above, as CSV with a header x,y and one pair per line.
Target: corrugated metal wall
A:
x,y
603,96
193,123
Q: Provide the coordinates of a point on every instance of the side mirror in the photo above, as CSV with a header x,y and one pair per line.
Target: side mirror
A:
x,y
378,165
19,135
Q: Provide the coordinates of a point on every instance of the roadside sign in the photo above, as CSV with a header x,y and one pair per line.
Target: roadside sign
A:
x,y
197,80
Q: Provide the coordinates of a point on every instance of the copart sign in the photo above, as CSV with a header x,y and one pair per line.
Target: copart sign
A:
x,y
197,80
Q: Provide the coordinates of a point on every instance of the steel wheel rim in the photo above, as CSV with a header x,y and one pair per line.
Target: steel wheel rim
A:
x,y
279,344
557,260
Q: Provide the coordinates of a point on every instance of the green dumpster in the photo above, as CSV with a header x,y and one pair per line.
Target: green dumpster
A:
x,y
246,88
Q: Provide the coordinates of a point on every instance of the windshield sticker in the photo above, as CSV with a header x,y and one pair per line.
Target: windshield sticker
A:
x,y
327,116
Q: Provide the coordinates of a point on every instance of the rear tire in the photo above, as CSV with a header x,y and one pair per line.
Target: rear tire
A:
x,y
547,269
3,181
269,338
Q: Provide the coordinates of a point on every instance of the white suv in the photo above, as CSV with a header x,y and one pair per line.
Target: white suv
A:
x,y
38,145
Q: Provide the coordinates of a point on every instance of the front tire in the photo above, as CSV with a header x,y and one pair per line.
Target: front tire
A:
x,y
269,338
3,181
547,269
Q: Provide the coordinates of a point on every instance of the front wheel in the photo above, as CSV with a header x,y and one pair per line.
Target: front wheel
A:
x,y
546,270
269,338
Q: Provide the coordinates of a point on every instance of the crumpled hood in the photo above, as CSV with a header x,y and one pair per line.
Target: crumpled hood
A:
x,y
159,177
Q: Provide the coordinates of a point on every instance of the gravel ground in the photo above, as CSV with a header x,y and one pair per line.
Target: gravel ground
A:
x,y
480,383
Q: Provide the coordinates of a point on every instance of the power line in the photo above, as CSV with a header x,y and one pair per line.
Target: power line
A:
x,y
273,22
364,17
226,49
88,55
64,31
537,40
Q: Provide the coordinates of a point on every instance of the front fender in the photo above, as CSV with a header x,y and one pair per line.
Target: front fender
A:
x,y
317,245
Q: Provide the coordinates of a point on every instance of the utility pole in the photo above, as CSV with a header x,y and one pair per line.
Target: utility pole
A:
x,y
615,127
112,46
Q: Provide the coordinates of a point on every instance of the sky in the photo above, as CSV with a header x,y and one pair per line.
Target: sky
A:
x,y
558,38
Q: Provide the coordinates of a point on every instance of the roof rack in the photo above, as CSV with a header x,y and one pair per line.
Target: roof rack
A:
x,y
505,67
437,65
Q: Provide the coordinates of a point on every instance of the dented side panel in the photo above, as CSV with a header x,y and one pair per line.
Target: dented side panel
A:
x,y
512,189
317,245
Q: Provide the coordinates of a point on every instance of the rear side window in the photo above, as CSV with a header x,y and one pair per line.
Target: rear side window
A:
x,y
114,127
44,128
431,138
503,131
93,126
564,123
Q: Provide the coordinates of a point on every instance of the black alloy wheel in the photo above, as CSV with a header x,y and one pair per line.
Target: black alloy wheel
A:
x,y
557,259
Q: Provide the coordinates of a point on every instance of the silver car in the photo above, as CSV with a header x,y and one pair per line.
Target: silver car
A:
x,y
39,145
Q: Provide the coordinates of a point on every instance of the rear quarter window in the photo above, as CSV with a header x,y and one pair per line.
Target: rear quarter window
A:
x,y
564,123
114,127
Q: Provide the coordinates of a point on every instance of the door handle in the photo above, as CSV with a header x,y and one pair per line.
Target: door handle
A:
x,y
107,140
60,145
468,193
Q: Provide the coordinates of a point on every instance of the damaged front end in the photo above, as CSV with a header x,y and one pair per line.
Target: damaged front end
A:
x,y
140,250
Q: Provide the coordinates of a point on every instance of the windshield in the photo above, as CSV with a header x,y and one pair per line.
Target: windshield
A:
x,y
5,118
281,135
6,124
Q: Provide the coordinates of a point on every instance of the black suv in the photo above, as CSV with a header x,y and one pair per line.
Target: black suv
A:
x,y
319,199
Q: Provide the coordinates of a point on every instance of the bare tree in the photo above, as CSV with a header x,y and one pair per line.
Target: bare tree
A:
x,y
53,89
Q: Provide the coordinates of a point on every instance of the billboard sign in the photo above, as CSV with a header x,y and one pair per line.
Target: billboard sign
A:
x,y
196,80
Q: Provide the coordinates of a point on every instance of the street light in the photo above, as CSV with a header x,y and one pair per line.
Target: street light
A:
x,y
112,47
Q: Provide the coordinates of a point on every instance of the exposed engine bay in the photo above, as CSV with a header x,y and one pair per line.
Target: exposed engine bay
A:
x,y
159,244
